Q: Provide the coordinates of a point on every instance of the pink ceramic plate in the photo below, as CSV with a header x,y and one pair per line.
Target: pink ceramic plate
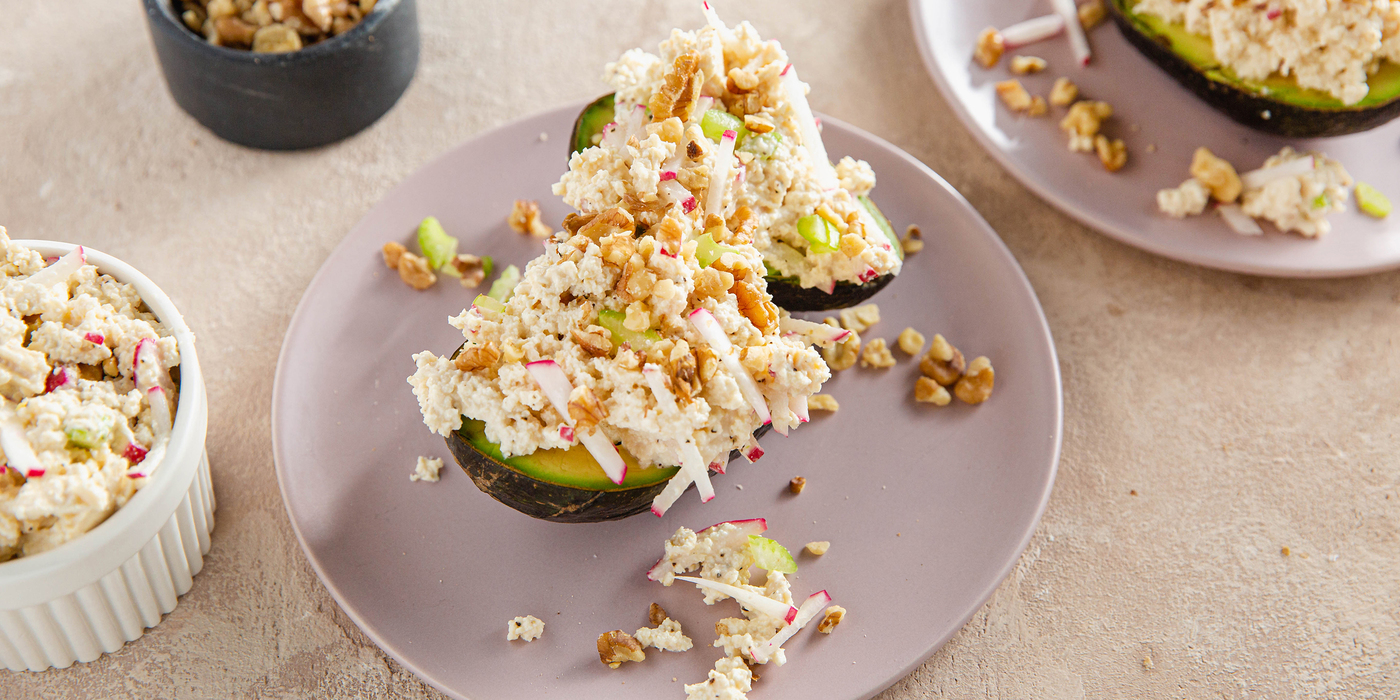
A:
x,y
927,509
1167,116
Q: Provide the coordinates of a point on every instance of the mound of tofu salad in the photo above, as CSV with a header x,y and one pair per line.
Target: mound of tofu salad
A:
x,y
717,123
87,397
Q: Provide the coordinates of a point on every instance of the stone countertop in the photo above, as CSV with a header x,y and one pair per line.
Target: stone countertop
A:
x,y
1212,419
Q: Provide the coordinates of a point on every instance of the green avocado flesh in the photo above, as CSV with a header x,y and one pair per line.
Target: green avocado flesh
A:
x,y
1276,104
591,121
573,467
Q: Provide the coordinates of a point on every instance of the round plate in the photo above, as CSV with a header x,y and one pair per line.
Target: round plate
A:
x,y
1150,109
927,508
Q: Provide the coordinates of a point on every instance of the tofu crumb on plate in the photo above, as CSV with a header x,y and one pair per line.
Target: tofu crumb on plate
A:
x,y
427,469
527,628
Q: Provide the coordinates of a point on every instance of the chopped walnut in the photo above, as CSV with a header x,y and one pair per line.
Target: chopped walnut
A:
x,y
858,318
990,46
1083,122
1025,65
638,317
710,282
852,245
657,615
976,386
607,223
1038,107
876,354
232,30
685,372
512,353
1014,95
679,90
670,130
617,646
842,355
834,615
573,222
825,211
818,548
913,240
618,248
741,80
414,270
1091,14
694,178
822,402
585,409
525,218
1217,174
636,281
943,363
471,268
393,250
911,341
595,340
1063,93
755,306
797,484
706,362
1112,153
758,124
274,38
474,357
928,391
669,233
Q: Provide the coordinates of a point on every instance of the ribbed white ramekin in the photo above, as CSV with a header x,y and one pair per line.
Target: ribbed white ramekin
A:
x,y
103,589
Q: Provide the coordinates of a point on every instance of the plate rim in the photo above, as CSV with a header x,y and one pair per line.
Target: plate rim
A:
x,y
1048,342
1088,218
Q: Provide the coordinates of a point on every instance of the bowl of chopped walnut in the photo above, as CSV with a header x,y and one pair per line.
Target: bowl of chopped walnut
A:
x,y
285,74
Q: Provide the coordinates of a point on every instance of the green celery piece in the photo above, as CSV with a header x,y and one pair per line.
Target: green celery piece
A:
x,y
438,247
707,251
613,322
487,265
761,145
88,438
504,285
820,234
717,121
1372,201
883,223
1320,202
768,554
489,303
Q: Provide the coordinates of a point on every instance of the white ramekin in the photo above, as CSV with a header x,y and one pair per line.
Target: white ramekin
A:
x,y
103,589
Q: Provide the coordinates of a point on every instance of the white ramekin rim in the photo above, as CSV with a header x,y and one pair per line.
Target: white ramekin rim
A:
x,y
37,579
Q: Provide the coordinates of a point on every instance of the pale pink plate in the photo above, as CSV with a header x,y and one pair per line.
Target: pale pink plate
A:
x,y
927,509
1123,204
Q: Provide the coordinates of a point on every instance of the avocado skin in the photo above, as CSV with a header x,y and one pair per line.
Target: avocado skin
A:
x,y
554,502
590,121
788,295
1248,108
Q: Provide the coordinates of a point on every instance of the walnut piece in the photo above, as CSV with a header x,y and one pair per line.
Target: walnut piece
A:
x,y
607,223
797,484
740,81
943,363
876,354
414,270
679,90
913,240
595,340
928,391
276,38
990,45
1112,153
858,318
525,218
976,386
834,615
1038,107
1083,122
818,548
1091,14
636,282
471,268
657,615
758,124
1014,95
474,357
911,342
617,646
822,402
1217,174
573,222
685,372
585,409
393,250
755,306
1063,93
1025,65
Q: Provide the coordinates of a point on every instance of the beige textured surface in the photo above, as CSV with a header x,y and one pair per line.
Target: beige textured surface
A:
x,y
1246,414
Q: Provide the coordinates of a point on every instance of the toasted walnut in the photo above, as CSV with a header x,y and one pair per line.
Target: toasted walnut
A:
x,y
943,363
233,30
694,178
585,409
617,646
657,615
928,391
911,341
1217,174
475,357
741,80
1083,122
989,47
659,353
574,222
110,367
679,90
1064,92
636,281
710,282
741,220
913,240
825,211
471,268
834,615
393,250
1113,154
685,372
512,353
1038,107
1025,65
276,38
696,145
758,124
876,353
319,12
1091,13
859,318
670,130
1014,95
706,362
525,218
194,18
414,270
638,317
976,386
818,548
842,355
618,248
822,402
797,484
755,306
595,340
669,233
607,223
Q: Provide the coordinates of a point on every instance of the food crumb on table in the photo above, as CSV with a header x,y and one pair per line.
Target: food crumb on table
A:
x,y
797,484
818,548
822,402
527,628
427,469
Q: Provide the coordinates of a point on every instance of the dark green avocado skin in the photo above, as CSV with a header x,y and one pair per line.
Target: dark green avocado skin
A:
x,y
788,295
1247,107
590,122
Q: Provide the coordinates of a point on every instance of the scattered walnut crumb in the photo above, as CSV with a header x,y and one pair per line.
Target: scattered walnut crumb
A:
x,y
913,240
834,615
1014,95
1025,65
474,357
471,268
393,250
1091,14
911,341
818,548
1217,174
657,615
1147,662
413,269
843,354
976,385
525,218
617,646
1038,107
989,48
1151,148
876,353
1064,92
822,402
1113,154
928,391
1083,122
797,484
1285,551
858,318
943,363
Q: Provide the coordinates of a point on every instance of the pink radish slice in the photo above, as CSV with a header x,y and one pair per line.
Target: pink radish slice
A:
x,y
719,174
752,451
556,387
161,418
811,136
95,338
58,377
819,333
34,473
738,538
61,270
134,453
749,599
1032,30
656,379
669,495
711,17
814,604
673,193
1078,42
694,464
798,404
567,433
19,454
1238,221
717,467
1255,179
713,334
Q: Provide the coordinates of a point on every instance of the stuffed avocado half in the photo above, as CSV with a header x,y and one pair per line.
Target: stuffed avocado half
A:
x,y
1271,102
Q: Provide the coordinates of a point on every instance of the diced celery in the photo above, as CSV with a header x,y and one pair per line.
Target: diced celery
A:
x,y
770,555
438,247
717,121
88,437
1320,201
1372,201
488,303
823,237
761,145
883,223
613,322
707,251
505,284
487,265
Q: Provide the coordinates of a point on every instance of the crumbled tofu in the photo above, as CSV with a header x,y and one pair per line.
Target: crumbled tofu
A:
x,y
876,354
859,318
1217,174
818,548
1112,153
1064,92
426,470
527,628
1189,199
666,636
1013,94
833,617
730,679
911,342
1025,65
990,46
822,402
928,391
797,484
976,386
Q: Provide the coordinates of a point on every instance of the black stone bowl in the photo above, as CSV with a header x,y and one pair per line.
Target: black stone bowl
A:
x,y
285,101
